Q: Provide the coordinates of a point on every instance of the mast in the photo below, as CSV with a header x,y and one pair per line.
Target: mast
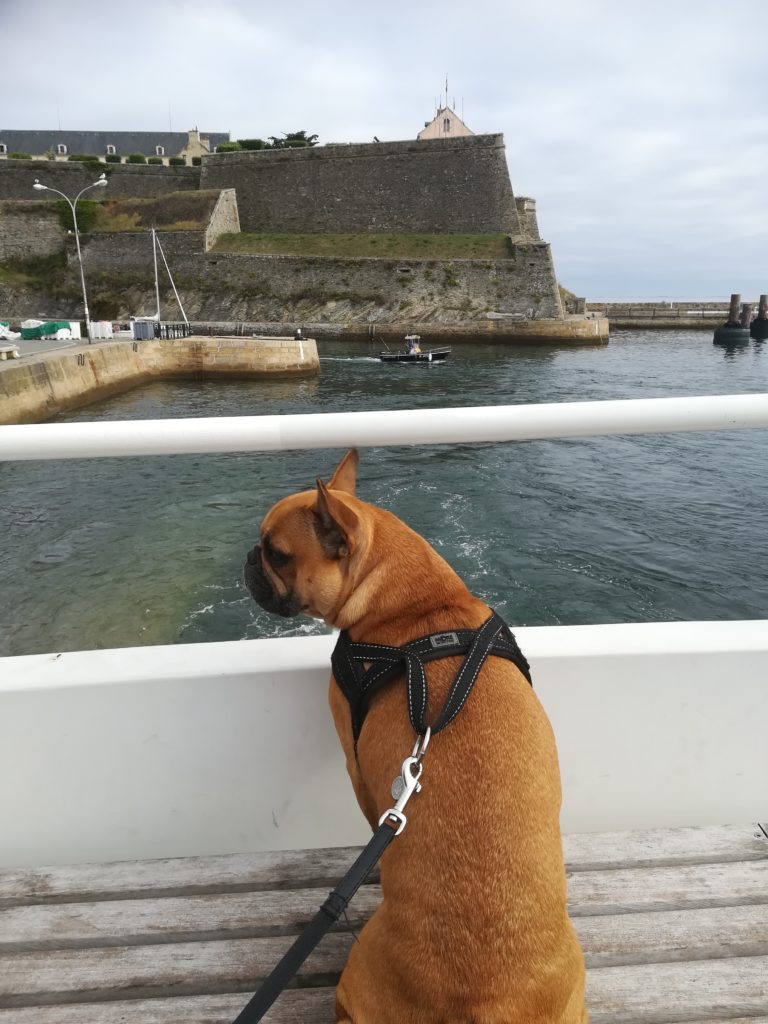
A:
x,y
157,283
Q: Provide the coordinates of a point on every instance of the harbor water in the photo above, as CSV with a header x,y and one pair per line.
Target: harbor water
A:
x,y
122,552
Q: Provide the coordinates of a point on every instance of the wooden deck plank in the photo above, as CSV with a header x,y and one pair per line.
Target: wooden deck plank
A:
x,y
311,868
207,967
674,925
307,1006
666,937
683,887
261,914
173,919
676,992
716,992
186,968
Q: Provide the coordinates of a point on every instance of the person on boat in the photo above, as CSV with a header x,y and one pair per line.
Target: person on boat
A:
x,y
412,346
298,335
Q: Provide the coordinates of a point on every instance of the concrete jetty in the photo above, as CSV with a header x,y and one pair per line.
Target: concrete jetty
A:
x,y
38,387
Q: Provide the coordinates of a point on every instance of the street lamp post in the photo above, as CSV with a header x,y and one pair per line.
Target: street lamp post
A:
x,y
101,183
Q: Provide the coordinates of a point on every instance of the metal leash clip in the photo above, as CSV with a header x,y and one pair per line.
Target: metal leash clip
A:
x,y
407,783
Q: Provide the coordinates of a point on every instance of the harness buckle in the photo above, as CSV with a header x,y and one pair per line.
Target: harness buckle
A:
x,y
421,744
407,782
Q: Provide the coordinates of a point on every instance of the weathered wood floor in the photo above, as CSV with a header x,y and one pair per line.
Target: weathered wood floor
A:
x,y
674,925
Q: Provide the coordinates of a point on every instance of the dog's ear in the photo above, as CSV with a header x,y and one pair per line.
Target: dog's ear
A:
x,y
345,475
335,524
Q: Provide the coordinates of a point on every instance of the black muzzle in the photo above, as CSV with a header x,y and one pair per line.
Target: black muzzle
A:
x,y
262,591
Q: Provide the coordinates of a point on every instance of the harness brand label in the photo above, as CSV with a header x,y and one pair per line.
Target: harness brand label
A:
x,y
443,640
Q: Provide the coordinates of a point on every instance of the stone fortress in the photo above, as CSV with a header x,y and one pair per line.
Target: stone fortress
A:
x,y
455,183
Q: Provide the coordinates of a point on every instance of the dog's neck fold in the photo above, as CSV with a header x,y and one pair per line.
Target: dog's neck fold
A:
x,y
397,580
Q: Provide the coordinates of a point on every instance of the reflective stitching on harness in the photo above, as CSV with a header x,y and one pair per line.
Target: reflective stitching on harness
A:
x,y
474,675
493,637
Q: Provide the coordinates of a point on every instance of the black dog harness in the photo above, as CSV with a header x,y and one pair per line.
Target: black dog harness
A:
x,y
494,637
359,685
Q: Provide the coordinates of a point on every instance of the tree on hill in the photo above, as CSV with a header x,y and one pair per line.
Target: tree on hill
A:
x,y
291,140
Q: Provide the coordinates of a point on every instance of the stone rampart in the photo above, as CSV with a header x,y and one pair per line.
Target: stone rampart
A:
x,y
223,286
224,219
39,387
132,250
29,229
125,180
292,289
458,186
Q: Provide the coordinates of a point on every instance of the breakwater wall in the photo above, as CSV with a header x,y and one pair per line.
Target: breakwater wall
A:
x,y
39,387
571,331
699,315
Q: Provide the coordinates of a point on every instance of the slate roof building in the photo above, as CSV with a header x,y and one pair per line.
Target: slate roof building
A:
x,y
59,145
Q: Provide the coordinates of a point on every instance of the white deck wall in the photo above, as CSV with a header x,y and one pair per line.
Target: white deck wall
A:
x,y
229,747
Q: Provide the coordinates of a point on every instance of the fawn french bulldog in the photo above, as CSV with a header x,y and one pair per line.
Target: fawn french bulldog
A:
x,y
473,927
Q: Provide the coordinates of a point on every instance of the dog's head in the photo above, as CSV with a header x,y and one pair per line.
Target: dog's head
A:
x,y
307,544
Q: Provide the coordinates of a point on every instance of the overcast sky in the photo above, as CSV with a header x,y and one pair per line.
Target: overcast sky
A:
x,y
639,126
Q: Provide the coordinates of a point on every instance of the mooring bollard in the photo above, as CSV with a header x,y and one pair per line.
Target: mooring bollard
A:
x,y
759,328
733,330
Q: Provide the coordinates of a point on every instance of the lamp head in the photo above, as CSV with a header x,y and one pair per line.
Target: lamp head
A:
x,y
39,187
102,180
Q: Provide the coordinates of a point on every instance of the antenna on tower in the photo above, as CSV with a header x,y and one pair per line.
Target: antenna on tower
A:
x,y
446,90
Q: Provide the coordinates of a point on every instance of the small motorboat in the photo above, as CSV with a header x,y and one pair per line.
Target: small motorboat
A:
x,y
414,353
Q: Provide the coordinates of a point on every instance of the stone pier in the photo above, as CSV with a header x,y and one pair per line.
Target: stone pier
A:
x,y
38,387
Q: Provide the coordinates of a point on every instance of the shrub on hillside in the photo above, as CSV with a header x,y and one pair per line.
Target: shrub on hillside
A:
x,y
84,158
155,160
137,158
196,161
87,212
251,143
19,156
229,147
176,161
113,158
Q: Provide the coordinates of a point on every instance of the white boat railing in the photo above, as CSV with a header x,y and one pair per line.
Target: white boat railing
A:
x,y
374,429
228,747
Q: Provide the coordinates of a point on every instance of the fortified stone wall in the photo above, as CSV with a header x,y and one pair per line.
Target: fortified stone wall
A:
x,y
222,286
231,286
129,250
457,186
125,180
224,220
526,212
29,229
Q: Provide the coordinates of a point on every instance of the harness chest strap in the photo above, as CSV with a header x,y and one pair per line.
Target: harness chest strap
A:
x,y
359,685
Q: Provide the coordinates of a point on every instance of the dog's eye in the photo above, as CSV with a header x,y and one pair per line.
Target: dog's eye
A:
x,y
277,559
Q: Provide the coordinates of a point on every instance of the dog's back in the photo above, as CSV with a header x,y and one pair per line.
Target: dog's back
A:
x,y
473,925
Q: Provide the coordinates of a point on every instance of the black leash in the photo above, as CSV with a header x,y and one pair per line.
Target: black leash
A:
x,y
391,824
493,637
328,914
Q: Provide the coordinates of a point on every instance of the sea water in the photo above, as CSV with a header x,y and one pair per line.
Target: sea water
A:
x,y
121,552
